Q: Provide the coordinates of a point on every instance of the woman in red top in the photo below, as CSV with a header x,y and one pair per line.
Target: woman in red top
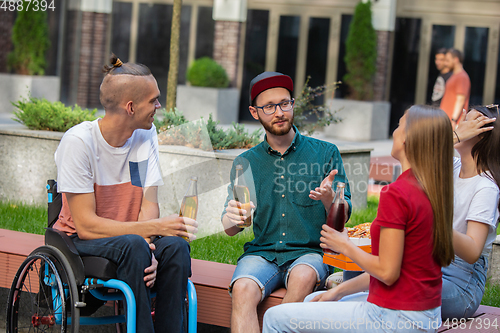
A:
x,y
411,241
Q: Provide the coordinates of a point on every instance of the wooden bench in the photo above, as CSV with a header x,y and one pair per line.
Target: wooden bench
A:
x,y
211,279
486,319
14,248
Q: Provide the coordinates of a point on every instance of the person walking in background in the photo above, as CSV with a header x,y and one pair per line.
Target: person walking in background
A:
x,y
457,91
444,75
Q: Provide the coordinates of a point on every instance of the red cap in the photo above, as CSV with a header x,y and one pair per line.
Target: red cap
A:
x,y
268,80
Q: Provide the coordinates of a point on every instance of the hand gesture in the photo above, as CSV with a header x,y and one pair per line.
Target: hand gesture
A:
x,y
150,272
237,212
334,240
471,125
325,192
329,296
175,225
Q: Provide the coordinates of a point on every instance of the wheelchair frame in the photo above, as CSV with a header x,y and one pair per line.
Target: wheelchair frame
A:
x,y
60,275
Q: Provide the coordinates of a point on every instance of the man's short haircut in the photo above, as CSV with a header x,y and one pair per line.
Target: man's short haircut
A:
x,y
119,68
108,98
456,54
442,50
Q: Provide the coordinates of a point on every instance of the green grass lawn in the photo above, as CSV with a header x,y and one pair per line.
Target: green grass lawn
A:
x,y
22,217
218,247
225,249
491,295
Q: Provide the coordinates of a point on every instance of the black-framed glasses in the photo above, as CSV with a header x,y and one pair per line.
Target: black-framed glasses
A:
x,y
271,108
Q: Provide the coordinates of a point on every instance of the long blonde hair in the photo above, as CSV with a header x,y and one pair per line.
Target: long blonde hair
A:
x,y
429,149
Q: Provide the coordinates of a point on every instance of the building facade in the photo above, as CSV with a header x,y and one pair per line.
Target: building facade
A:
x,y
297,37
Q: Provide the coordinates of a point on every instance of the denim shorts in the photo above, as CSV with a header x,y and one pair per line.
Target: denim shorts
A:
x,y
463,287
269,276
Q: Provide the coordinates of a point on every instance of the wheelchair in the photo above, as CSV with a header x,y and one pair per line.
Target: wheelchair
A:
x,y
56,290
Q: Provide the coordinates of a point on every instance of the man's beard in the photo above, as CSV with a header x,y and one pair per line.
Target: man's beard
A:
x,y
279,131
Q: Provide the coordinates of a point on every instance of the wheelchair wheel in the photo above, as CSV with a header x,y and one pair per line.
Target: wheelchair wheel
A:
x,y
42,296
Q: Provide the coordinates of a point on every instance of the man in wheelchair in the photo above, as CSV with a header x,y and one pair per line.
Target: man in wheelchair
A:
x,y
108,172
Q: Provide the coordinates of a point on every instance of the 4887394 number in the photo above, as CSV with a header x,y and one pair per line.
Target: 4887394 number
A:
x,y
471,323
34,5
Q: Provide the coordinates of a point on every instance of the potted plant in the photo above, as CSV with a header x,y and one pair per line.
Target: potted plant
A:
x,y
30,38
369,118
208,93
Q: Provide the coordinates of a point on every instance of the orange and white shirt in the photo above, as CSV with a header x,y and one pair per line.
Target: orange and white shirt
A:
x,y
117,176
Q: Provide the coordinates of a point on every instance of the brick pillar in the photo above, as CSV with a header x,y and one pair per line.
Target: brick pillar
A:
x,y
383,47
226,47
92,58
7,19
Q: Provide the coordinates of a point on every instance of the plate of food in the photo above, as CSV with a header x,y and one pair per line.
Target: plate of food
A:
x,y
360,234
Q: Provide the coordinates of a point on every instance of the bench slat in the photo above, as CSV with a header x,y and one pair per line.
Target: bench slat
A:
x,y
20,243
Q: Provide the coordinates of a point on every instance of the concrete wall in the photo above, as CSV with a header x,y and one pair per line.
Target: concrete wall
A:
x,y
197,102
28,161
494,268
361,121
13,86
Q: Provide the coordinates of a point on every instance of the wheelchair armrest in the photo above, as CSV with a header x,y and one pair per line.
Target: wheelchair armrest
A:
x,y
61,241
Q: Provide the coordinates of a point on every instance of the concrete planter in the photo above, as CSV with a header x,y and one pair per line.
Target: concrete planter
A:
x,y
361,121
13,86
197,102
28,161
494,264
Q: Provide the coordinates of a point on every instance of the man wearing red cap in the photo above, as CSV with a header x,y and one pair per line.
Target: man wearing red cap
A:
x,y
292,176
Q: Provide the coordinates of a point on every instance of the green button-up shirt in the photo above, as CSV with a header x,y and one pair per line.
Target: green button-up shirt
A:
x,y
287,223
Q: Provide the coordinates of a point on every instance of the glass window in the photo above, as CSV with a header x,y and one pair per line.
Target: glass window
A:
x,y
443,36
184,43
120,30
153,41
254,61
288,42
7,20
341,91
404,67
475,51
205,33
317,52
53,19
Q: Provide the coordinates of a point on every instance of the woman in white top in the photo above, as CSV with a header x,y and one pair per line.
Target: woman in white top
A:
x,y
475,219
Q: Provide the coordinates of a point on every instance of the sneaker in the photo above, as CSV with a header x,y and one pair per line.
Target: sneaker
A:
x,y
334,280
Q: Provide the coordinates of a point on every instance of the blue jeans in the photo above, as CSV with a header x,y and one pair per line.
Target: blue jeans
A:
x,y
132,255
463,287
347,275
347,317
269,276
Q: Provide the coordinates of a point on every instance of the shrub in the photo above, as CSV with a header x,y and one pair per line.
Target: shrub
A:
x,y
40,114
174,129
30,38
233,138
169,119
305,108
361,54
205,72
